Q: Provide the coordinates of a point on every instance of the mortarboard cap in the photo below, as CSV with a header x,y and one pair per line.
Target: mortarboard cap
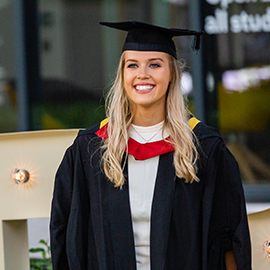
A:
x,y
147,37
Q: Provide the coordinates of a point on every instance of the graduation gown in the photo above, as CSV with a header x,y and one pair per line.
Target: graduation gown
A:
x,y
192,225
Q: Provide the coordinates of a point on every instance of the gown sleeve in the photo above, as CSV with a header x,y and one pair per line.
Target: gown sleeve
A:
x,y
61,203
228,227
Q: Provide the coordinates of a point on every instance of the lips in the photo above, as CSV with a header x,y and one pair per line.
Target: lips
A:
x,y
145,88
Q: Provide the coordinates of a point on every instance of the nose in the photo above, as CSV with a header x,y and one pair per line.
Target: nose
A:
x,y
143,74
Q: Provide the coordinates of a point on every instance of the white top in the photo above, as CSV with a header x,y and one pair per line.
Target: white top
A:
x,y
142,178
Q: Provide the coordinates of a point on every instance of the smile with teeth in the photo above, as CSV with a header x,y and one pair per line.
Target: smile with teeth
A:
x,y
144,87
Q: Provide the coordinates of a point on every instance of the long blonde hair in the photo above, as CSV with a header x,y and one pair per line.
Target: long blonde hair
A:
x,y
120,114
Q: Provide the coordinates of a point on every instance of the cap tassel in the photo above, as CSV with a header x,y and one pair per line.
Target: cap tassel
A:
x,y
197,42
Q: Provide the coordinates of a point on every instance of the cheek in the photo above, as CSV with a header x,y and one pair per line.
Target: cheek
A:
x,y
167,80
127,88
126,80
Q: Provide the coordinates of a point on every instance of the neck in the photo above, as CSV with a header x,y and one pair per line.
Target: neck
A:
x,y
147,118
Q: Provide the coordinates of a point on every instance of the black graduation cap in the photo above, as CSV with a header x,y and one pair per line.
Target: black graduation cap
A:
x,y
148,37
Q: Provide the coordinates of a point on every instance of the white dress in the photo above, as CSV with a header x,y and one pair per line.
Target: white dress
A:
x,y
142,177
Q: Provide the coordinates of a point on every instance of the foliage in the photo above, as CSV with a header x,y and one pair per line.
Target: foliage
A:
x,y
44,263
78,114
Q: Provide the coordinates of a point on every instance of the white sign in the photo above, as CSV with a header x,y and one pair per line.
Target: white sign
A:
x,y
222,23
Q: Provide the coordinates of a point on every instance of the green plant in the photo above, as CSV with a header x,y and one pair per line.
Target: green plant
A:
x,y
41,264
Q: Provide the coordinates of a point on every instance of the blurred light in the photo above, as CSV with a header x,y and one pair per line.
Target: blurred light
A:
x,y
266,248
242,79
20,176
186,83
210,82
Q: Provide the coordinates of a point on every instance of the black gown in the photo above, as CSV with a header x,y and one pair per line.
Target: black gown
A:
x,y
192,225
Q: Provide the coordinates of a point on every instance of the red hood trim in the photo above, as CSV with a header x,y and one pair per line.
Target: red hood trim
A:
x,y
138,150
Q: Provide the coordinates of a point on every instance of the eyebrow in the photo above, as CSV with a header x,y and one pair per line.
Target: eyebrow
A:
x,y
149,60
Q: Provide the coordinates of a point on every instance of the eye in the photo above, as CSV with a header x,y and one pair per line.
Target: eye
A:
x,y
155,65
132,66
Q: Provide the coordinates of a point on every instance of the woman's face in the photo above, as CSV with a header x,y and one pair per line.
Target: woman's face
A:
x,y
146,78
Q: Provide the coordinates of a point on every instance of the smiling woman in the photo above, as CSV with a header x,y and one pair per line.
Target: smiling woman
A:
x,y
146,80
150,187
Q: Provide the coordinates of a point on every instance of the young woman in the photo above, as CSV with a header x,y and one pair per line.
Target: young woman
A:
x,y
150,187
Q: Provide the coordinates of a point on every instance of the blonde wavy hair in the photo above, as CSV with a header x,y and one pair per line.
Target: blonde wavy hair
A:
x,y
120,114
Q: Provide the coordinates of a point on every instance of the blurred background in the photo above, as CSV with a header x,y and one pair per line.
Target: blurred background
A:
x,y
57,62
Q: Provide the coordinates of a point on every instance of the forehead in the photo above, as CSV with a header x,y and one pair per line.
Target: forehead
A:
x,y
145,55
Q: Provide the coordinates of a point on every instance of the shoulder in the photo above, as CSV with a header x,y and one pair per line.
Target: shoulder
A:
x,y
89,131
88,138
203,132
209,140
94,130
